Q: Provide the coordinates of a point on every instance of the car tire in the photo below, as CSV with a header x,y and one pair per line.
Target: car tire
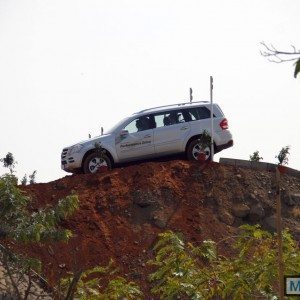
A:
x,y
193,150
94,164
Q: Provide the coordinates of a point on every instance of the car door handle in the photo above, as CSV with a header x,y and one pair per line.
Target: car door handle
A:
x,y
184,128
147,136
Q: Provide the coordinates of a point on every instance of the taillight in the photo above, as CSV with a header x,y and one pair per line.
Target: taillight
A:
x,y
224,124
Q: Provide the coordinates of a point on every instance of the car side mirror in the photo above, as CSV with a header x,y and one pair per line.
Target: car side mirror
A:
x,y
124,133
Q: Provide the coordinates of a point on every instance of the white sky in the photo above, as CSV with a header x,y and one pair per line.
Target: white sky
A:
x,y
69,67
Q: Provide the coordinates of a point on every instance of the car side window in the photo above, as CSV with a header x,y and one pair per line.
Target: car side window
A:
x,y
197,113
168,118
204,112
139,124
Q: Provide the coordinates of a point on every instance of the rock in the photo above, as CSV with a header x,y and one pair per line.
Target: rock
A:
x,y
144,198
241,210
226,217
296,198
136,275
256,213
270,223
290,199
160,222
60,186
2,278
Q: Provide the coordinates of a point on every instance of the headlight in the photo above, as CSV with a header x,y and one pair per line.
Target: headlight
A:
x,y
76,149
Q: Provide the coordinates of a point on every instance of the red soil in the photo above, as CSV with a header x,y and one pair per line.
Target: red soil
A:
x,y
122,211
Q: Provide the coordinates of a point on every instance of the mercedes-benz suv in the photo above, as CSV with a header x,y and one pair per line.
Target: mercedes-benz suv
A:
x,y
149,133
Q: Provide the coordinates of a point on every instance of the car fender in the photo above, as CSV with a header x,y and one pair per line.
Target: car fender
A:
x,y
106,146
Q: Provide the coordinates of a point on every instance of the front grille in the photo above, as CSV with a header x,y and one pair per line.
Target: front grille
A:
x,y
64,153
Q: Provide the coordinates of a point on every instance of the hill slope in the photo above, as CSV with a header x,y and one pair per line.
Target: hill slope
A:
x,y
121,212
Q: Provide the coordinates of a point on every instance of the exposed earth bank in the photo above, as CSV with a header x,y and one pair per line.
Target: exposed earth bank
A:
x,y
122,211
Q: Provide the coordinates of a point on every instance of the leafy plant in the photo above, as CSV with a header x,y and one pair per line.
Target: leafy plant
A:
x,y
24,180
87,285
99,150
9,162
255,157
21,225
32,177
18,224
185,271
283,155
178,272
204,140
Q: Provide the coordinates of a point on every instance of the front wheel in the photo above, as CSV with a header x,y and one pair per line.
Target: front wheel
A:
x,y
96,164
194,149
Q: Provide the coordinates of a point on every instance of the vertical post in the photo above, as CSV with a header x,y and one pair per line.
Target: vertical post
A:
x,y
279,236
191,95
211,119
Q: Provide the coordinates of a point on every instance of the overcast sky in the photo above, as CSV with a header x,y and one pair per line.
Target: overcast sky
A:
x,y
69,67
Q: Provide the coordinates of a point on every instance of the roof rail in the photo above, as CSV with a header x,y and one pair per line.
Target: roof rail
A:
x,y
178,104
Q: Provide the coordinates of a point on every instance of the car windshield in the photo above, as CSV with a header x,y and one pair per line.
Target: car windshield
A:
x,y
111,130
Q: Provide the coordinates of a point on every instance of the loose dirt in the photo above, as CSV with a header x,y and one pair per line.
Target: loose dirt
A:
x,y
122,211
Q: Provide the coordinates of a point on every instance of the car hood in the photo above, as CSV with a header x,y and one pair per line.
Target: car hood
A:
x,y
92,141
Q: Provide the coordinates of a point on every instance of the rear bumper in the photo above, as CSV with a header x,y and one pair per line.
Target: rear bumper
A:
x,y
224,146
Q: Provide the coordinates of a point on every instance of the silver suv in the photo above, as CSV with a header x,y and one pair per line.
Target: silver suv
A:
x,y
153,132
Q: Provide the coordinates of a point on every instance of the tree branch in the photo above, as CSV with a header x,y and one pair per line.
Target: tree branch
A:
x,y
6,265
278,56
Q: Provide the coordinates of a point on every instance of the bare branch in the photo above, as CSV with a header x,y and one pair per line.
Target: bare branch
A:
x,y
29,285
277,56
13,283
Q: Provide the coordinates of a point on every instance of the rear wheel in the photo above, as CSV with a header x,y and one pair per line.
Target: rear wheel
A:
x,y
95,164
194,149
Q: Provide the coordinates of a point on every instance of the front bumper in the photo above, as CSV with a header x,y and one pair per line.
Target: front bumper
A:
x,y
70,163
224,146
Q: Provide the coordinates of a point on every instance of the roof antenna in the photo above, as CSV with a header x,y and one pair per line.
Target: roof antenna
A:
x,y
191,95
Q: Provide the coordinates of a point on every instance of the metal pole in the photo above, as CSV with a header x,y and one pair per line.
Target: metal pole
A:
x,y
279,236
211,119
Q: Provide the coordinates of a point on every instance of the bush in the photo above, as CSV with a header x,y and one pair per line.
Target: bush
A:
x,y
87,285
9,162
18,224
255,157
185,271
283,155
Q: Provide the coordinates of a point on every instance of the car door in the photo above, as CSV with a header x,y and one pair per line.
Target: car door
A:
x,y
135,141
170,132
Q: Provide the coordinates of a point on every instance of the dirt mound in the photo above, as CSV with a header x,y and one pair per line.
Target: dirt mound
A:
x,y
121,212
